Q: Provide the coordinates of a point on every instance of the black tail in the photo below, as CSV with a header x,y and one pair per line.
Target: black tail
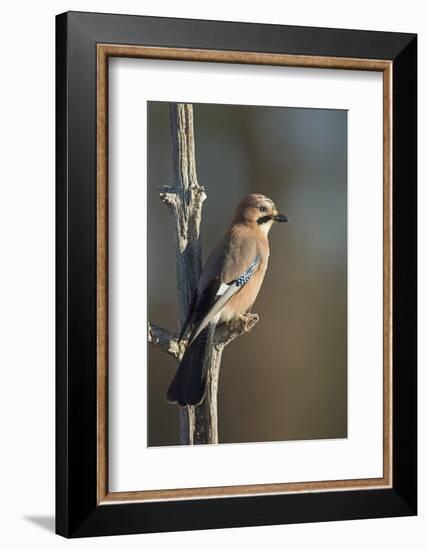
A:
x,y
188,385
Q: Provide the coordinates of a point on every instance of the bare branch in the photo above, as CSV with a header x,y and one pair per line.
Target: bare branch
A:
x,y
165,341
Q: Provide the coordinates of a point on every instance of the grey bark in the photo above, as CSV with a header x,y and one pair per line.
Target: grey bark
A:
x,y
185,200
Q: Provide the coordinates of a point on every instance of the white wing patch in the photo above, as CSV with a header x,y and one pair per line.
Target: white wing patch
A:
x,y
222,289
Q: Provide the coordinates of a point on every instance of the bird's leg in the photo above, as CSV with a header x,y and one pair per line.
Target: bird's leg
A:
x,y
249,319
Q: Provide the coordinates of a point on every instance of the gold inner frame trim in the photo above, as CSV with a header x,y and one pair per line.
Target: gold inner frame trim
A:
x,y
104,51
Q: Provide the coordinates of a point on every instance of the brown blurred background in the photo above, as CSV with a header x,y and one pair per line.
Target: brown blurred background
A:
x,y
287,379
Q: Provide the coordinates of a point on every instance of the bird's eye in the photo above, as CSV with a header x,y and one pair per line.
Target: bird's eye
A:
x,y
262,208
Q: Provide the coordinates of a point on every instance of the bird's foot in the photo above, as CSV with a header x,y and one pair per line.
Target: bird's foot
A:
x,y
249,321
238,326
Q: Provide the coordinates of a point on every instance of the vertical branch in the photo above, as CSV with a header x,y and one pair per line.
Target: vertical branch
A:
x,y
206,414
185,201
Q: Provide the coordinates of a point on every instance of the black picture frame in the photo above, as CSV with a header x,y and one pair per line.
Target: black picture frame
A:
x,y
77,511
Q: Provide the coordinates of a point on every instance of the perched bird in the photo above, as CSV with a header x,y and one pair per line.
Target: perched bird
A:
x,y
228,286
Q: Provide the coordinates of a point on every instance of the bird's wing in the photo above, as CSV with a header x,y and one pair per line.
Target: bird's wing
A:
x,y
204,295
200,303
216,296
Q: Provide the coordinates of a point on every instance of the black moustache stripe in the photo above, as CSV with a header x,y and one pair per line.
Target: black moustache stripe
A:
x,y
264,219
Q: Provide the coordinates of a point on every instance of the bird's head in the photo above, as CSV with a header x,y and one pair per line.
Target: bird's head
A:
x,y
258,211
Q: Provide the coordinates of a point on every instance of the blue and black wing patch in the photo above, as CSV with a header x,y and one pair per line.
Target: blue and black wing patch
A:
x,y
248,273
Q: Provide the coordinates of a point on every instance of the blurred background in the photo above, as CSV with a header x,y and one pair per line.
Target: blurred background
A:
x,y
287,379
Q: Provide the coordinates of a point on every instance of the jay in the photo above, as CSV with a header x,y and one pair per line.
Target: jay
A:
x,y
227,289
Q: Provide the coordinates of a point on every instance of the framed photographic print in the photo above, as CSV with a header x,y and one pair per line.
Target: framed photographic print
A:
x,y
236,274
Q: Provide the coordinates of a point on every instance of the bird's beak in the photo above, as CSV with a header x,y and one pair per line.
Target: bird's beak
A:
x,y
281,218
